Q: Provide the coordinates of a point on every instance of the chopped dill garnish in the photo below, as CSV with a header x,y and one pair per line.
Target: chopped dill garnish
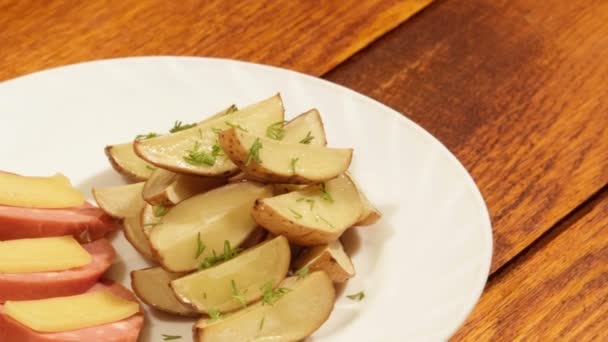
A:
x,y
357,296
179,126
295,213
310,201
215,258
200,246
276,131
271,295
146,136
197,157
327,222
214,314
303,272
254,152
239,297
237,126
307,139
293,165
324,194
159,210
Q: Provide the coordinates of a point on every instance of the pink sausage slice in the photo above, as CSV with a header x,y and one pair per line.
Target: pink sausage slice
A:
x,y
126,330
86,223
24,286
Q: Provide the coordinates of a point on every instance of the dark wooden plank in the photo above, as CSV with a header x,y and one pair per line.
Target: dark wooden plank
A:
x,y
569,302
516,89
310,36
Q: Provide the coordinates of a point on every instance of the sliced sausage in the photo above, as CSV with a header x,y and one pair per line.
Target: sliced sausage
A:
x,y
24,286
126,330
86,223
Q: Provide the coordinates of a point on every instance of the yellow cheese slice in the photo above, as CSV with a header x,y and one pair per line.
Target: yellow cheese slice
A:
x,y
71,313
38,192
42,255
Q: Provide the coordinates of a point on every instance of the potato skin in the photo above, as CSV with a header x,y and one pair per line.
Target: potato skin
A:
x,y
233,148
126,173
372,217
128,230
272,221
146,300
324,262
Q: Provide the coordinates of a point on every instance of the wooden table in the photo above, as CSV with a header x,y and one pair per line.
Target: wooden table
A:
x,y
517,89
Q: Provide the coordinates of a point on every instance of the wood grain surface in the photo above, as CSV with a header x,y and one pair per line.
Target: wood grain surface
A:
x,y
517,89
568,302
306,35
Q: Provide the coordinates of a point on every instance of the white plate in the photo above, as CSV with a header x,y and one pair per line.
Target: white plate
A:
x,y
422,267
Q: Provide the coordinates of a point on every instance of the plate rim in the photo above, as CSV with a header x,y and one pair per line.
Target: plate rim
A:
x,y
485,218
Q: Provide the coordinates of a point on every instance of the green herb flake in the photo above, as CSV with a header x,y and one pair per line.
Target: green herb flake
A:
x,y
216,130
307,139
295,213
292,164
303,272
262,323
237,126
310,201
150,167
239,297
229,252
159,210
170,337
357,296
231,109
271,295
216,150
214,314
254,152
200,246
327,222
146,136
214,259
179,126
276,131
197,157
324,194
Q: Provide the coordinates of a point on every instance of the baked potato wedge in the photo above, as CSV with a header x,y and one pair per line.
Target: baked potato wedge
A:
x,y
134,232
168,188
330,258
278,162
196,151
237,282
123,159
306,128
151,285
301,309
211,219
125,202
120,201
369,213
150,216
315,215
